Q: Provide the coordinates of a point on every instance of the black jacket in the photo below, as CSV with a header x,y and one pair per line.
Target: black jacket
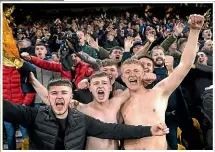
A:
x,y
43,128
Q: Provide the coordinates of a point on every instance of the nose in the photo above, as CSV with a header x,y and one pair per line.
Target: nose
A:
x,y
59,95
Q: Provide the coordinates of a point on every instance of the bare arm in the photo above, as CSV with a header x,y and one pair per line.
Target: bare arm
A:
x,y
168,85
40,89
121,98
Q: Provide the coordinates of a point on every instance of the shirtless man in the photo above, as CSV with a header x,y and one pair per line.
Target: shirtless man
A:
x,y
101,108
148,106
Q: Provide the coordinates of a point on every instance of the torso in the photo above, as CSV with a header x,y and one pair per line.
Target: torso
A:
x,y
147,110
108,115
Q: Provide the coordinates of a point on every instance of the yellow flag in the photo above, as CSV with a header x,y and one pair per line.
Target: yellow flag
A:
x,y
10,50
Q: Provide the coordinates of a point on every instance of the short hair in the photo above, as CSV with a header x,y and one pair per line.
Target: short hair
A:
x,y
116,48
146,56
40,44
59,82
156,48
55,54
132,61
108,62
98,74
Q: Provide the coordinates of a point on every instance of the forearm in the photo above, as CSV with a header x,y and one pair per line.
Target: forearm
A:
x,y
204,68
168,42
41,90
95,63
143,51
116,131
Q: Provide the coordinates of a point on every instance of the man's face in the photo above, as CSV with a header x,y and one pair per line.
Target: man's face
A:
x,y
208,46
100,88
148,66
158,57
25,43
19,36
59,98
39,33
111,71
75,59
173,46
207,34
81,36
55,58
202,58
110,37
132,76
137,48
40,51
116,55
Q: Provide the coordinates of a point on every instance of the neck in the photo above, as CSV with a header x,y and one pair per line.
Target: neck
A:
x,y
82,43
139,91
63,116
101,106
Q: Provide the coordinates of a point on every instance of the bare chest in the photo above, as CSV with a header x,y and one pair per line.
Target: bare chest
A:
x,y
144,110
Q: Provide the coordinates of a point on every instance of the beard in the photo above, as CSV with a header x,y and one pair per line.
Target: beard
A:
x,y
160,64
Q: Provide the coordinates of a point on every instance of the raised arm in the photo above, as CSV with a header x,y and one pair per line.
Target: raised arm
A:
x,y
95,63
55,67
151,38
40,89
169,84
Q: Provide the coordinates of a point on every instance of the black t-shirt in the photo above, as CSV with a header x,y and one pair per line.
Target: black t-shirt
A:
x,y
61,134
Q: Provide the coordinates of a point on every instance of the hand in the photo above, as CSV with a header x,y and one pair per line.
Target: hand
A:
x,y
148,78
128,43
169,63
31,77
196,22
178,29
73,104
84,84
94,44
26,56
159,129
150,37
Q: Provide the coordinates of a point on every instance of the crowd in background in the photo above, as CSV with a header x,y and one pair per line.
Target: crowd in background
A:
x,y
107,41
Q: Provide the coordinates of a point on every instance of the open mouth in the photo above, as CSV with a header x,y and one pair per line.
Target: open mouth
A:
x,y
133,81
101,94
59,105
117,57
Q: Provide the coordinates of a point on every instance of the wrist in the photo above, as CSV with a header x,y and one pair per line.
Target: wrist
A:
x,y
127,49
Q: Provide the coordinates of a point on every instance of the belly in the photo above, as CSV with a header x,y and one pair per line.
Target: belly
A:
x,y
101,144
147,143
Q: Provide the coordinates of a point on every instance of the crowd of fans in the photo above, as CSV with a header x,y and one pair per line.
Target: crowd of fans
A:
x,y
106,42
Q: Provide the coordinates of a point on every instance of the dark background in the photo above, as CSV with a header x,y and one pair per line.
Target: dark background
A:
x,y
52,11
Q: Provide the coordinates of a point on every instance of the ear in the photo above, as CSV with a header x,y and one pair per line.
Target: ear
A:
x,y
90,88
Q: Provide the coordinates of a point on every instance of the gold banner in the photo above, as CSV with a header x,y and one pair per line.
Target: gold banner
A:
x,y
10,50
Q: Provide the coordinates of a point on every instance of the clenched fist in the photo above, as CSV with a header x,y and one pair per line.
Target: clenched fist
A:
x,y
196,22
26,56
148,78
169,63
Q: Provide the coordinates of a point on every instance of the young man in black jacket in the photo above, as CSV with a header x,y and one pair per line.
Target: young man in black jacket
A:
x,y
58,127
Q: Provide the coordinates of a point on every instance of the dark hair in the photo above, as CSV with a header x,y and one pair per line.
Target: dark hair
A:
x,y
109,62
59,82
145,56
98,74
56,54
116,48
40,44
